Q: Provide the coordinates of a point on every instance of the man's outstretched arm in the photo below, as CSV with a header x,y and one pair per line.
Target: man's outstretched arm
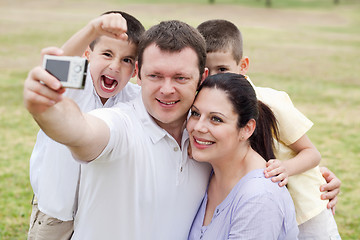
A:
x,y
61,119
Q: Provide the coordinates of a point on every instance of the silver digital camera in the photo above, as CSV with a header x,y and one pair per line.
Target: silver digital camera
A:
x,y
71,71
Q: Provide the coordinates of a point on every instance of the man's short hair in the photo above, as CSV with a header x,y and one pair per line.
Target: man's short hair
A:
x,y
222,35
173,36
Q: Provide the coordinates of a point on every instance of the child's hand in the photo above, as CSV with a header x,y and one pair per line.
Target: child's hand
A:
x,y
111,25
331,189
276,168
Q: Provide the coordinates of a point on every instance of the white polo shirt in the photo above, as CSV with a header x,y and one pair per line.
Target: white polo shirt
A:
x,y
143,185
54,174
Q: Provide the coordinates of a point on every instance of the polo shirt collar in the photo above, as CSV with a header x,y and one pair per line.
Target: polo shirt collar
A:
x,y
156,132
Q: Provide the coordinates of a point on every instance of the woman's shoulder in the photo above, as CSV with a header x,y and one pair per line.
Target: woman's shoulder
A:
x,y
255,185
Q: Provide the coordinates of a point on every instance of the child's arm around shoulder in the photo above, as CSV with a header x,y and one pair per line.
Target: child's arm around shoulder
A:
x,y
293,126
111,25
307,157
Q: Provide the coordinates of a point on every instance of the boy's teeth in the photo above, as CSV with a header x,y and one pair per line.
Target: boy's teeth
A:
x,y
113,85
108,83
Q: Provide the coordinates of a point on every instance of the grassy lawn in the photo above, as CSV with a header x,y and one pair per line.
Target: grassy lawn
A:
x,y
309,49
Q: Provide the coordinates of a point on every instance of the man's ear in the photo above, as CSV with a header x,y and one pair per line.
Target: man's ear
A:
x,y
244,65
204,75
136,71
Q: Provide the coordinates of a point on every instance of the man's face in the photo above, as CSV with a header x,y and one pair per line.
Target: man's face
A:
x,y
169,82
221,62
112,65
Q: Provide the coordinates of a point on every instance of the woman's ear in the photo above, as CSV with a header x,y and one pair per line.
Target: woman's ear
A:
x,y
248,130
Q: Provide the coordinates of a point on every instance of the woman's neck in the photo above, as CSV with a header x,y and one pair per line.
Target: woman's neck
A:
x,y
229,172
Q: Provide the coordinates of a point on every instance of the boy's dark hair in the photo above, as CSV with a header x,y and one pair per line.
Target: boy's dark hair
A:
x,y
221,35
173,36
134,28
243,99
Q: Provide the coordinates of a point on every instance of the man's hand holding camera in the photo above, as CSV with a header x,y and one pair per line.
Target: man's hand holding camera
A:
x,y
41,89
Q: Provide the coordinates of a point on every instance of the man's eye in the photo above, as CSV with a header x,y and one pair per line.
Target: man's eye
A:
x,y
107,54
181,79
223,69
128,60
154,77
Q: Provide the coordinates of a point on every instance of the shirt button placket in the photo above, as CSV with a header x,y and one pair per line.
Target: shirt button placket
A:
x,y
175,150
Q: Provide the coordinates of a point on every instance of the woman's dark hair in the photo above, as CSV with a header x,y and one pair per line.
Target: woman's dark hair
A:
x,y
243,98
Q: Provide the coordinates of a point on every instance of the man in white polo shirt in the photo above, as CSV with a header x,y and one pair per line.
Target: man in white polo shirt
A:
x,y
139,182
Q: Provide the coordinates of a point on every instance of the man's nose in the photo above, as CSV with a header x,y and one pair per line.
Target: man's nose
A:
x,y
167,86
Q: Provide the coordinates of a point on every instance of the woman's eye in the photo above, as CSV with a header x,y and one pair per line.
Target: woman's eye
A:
x,y
216,119
223,69
107,54
194,114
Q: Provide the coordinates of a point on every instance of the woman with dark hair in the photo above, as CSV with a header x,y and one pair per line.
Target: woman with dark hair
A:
x,y
233,131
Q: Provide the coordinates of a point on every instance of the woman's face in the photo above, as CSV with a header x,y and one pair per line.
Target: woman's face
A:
x,y
212,126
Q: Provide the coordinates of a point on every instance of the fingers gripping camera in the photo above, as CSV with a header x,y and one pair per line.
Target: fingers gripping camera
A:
x,y
71,71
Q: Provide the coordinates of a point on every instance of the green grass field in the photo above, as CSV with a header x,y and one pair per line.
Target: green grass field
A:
x,y
309,49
